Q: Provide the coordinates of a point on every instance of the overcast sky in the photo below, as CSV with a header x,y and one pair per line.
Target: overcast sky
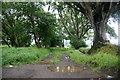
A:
x,y
114,25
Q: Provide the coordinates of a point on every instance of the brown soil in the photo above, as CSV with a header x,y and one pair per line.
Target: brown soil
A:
x,y
42,69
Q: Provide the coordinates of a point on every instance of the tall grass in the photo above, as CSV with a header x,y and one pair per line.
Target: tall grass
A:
x,y
22,55
102,58
58,53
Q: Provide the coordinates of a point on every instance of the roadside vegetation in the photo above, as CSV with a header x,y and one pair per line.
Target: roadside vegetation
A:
x,y
102,59
24,55
58,53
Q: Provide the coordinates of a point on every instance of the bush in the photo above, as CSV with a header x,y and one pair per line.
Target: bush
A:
x,y
78,43
33,45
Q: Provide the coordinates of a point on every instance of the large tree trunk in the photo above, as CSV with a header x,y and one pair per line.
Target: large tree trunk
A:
x,y
99,35
98,14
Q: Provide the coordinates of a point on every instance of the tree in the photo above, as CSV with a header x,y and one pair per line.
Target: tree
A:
x,y
116,13
97,13
13,31
42,23
31,11
32,20
47,27
110,31
74,22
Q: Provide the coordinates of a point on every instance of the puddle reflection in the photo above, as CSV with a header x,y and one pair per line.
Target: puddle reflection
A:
x,y
66,69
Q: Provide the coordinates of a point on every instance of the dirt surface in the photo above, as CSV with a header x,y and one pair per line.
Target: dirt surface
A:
x,y
34,70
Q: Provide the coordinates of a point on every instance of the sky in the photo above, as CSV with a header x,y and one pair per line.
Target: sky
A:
x,y
114,25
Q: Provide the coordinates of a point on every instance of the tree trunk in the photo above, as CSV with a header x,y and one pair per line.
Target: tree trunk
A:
x,y
103,29
12,43
6,42
99,35
12,40
36,40
34,32
63,43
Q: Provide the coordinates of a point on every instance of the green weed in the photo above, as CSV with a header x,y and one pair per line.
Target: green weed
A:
x,y
13,56
23,55
102,58
58,53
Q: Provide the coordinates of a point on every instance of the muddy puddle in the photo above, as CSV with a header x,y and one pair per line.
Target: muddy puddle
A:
x,y
44,63
66,69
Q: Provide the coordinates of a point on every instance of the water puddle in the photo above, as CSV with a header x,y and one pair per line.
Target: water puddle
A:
x,y
108,76
66,69
11,66
44,63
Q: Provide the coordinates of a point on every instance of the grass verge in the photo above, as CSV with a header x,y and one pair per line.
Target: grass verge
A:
x,y
23,55
105,58
58,53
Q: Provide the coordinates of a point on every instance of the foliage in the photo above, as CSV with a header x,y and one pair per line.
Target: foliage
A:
x,y
47,31
103,58
98,15
109,49
111,31
23,22
56,41
15,31
96,61
116,13
78,43
84,49
73,22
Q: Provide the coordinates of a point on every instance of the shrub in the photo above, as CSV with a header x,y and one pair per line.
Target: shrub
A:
x,y
78,43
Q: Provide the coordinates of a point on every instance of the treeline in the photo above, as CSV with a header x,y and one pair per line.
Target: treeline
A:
x,y
24,22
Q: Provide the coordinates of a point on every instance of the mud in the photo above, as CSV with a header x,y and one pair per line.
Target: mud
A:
x,y
43,63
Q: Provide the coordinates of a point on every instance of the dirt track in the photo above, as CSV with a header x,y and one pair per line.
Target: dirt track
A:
x,y
34,70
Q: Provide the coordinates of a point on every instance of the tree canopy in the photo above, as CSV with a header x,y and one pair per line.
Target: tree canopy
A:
x,y
28,21
98,14
21,21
